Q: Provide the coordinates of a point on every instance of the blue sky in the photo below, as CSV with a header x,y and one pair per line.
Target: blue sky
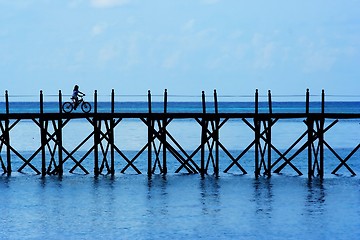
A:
x,y
186,46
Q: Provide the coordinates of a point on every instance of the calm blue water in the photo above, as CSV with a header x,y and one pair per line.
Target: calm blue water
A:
x,y
181,205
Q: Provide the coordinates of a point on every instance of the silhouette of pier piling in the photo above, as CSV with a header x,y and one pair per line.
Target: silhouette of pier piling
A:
x,y
161,143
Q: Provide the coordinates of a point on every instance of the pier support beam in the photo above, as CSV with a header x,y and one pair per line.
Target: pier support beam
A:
x,y
150,125
216,134
97,125
310,127
268,135
111,134
315,143
204,127
209,138
257,134
160,142
163,133
59,137
43,130
5,137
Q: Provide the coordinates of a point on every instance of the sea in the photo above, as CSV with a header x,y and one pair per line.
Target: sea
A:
x,y
182,205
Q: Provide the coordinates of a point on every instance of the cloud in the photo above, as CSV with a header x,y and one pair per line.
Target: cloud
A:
x,y
108,3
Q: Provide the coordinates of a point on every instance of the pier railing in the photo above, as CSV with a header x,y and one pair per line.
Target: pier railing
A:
x,y
107,154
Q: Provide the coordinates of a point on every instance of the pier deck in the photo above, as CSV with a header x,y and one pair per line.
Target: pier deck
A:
x,y
160,141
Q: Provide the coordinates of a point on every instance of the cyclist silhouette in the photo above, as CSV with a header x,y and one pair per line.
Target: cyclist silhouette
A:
x,y
76,100
75,95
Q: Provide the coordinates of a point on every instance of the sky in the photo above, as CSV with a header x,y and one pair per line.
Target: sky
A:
x,y
184,46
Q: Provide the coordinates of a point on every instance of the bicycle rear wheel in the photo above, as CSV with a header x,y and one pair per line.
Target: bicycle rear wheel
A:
x,y
86,107
67,107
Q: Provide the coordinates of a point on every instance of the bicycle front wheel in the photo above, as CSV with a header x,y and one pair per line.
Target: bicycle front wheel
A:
x,y
86,107
67,107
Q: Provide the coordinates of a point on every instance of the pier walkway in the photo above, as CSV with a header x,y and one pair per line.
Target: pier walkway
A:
x,y
106,154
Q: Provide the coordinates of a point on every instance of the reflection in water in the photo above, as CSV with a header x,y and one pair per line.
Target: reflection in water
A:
x,y
5,180
179,206
157,195
315,199
263,196
210,196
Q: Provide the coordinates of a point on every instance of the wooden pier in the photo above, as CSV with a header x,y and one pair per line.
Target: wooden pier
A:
x,y
161,143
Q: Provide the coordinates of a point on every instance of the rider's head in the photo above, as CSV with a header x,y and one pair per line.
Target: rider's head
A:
x,y
76,87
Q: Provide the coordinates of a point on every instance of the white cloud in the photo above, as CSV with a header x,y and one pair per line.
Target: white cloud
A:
x,y
108,3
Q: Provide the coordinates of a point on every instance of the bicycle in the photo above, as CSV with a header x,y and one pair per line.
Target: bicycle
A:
x,y
67,107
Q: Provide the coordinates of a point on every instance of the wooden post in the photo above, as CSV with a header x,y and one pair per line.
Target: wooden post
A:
x,y
149,124
257,134
149,102
41,102
7,133
270,102
203,134
163,133
111,137
310,126
43,135
111,142
307,101
322,102
112,101
95,102
216,134
59,136
321,134
268,135
96,137
256,101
